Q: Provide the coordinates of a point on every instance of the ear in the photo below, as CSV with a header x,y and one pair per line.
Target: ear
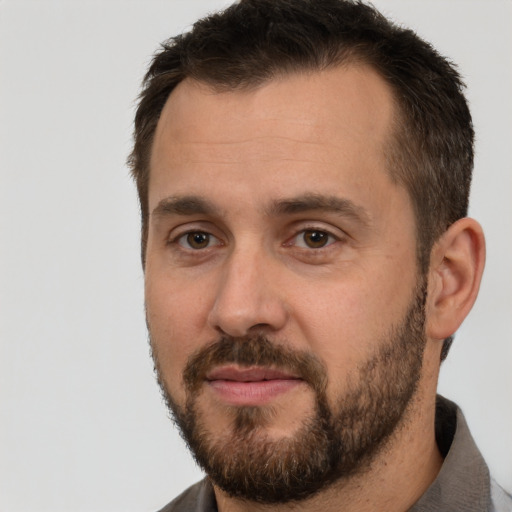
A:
x,y
456,267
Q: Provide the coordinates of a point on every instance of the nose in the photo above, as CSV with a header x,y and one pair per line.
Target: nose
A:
x,y
248,296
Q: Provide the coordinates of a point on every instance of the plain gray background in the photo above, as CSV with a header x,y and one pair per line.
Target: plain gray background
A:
x,y
82,426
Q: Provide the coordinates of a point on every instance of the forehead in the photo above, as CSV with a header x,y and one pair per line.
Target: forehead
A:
x,y
318,126
352,96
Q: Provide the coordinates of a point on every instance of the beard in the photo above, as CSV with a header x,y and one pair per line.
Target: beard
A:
x,y
335,442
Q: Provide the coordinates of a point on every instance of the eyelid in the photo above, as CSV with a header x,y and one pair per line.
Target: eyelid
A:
x,y
300,228
300,240
212,240
187,228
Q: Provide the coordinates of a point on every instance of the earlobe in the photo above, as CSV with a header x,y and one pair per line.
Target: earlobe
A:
x,y
457,263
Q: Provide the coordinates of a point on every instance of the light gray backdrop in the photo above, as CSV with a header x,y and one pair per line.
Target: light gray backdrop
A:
x,y
82,427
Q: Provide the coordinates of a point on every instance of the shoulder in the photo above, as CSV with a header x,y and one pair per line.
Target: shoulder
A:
x,y
197,498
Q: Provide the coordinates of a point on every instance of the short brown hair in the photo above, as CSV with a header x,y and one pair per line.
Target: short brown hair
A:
x,y
253,41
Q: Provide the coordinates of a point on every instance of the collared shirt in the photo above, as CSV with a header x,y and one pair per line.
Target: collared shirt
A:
x,y
463,484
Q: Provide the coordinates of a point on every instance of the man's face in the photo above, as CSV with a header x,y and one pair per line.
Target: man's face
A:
x,y
283,301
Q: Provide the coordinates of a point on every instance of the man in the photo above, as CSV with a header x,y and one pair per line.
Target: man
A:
x,y
303,169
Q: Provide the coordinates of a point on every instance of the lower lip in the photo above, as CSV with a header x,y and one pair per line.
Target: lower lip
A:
x,y
252,393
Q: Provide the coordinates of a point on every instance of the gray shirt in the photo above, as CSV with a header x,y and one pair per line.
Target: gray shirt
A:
x,y
463,484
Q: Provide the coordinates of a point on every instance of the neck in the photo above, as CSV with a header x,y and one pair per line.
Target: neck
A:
x,y
400,473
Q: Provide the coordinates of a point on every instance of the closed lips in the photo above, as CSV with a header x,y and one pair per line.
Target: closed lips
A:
x,y
253,374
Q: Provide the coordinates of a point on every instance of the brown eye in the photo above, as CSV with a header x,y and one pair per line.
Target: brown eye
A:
x,y
196,240
315,239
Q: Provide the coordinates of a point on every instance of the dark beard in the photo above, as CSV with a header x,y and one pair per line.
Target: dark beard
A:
x,y
333,443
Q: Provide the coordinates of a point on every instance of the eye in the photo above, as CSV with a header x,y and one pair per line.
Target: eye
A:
x,y
197,240
314,239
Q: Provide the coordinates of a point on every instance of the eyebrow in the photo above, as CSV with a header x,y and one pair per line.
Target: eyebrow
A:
x,y
184,205
322,203
196,205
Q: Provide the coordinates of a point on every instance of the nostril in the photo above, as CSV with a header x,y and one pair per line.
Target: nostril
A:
x,y
259,326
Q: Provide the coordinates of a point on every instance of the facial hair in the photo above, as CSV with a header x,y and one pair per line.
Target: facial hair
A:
x,y
335,442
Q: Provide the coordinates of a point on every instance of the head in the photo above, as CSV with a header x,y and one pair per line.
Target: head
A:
x,y
253,42
312,275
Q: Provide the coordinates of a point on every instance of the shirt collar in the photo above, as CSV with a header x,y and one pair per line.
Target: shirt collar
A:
x,y
463,482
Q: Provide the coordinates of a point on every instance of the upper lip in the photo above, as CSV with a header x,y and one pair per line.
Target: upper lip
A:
x,y
250,374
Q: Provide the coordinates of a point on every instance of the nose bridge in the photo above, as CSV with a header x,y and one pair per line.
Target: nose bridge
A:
x,y
247,296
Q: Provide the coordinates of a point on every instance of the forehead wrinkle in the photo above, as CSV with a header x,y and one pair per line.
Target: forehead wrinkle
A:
x,y
266,148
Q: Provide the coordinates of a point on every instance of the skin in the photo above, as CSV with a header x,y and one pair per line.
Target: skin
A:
x,y
242,155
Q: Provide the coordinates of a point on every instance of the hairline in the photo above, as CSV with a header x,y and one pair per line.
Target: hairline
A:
x,y
394,156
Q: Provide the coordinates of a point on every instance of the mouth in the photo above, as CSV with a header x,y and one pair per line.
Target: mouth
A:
x,y
251,386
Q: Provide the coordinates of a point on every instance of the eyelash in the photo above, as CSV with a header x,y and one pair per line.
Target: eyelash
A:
x,y
325,236
177,239
183,241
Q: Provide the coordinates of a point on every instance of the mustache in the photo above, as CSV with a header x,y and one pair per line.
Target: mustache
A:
x,y
253,351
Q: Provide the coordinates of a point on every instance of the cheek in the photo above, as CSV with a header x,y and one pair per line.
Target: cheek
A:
x,y
350,318
337,329
176,317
